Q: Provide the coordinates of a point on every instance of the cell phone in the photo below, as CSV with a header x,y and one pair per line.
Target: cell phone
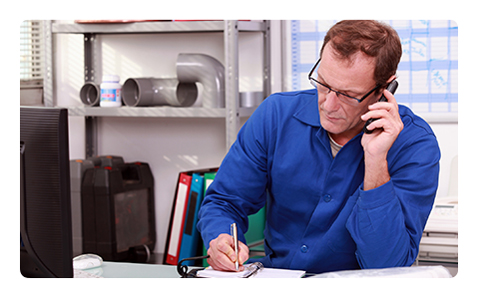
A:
x,y
391,88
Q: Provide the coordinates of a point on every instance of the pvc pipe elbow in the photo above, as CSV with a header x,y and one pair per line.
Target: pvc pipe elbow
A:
x,y
206,70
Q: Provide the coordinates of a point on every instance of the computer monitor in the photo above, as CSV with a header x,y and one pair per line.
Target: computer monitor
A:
x,y
45,207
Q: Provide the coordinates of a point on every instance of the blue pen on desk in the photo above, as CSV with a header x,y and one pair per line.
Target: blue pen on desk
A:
x,y
234,234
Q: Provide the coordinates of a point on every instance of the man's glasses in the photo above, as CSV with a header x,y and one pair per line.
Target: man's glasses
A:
x,y
324,89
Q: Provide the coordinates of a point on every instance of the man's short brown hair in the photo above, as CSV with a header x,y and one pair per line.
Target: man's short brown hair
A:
x,y
373,38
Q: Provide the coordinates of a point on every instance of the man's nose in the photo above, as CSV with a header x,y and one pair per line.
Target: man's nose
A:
x,y
331,102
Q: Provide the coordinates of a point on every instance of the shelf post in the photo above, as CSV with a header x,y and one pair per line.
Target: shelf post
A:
x,y
91,137
91,123
231,81
267,59
88,46
48,71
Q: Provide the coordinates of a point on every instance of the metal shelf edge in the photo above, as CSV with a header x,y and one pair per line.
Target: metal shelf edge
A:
x,y
154,27
177,112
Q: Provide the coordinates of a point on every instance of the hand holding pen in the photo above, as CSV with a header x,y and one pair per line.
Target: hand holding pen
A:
x,y
223,255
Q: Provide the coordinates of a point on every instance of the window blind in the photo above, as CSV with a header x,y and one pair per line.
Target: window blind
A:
x,y
31,50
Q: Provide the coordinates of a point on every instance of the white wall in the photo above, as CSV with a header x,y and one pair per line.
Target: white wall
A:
x,y
447,137
171,145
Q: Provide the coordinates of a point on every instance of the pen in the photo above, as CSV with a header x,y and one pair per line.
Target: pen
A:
x,y
253,269
234,234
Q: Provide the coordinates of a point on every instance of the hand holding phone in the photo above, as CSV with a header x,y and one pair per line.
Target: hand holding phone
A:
x,y
391,88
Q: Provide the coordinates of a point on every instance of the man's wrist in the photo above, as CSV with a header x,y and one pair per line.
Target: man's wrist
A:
x,y
376,172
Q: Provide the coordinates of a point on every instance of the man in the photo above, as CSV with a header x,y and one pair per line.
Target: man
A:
x,y
336,198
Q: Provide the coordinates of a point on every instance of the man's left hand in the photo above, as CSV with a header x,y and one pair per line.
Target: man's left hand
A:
x,y
388,126
377,144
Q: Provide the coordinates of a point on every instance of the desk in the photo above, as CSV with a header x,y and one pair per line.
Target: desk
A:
x,y
133,270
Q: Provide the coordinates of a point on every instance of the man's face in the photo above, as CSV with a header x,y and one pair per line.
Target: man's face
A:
x,y
353,77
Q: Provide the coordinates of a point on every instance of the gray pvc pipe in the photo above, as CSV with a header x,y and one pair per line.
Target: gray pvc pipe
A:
x,y
153,92
90,94
251,98
206,70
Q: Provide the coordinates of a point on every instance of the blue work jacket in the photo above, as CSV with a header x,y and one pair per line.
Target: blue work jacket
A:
x,y
318,217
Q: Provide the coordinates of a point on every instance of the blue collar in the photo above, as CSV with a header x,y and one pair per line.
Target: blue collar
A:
x,y
309,113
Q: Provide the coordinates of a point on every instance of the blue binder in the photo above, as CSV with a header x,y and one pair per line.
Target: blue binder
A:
x,y
191,237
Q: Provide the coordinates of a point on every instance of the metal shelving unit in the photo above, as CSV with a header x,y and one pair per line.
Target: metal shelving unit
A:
x,y
230,29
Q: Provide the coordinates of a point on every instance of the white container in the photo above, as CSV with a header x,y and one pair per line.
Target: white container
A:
x,y
110,91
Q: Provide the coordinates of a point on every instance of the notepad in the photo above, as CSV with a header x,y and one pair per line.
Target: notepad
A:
x,y
260,273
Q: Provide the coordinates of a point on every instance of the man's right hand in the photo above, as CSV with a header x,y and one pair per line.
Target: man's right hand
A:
x,y
222,253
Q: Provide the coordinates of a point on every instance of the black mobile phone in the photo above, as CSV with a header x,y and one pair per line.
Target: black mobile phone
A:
x,y
391,88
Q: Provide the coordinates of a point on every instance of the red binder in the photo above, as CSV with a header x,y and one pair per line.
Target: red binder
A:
x,y
177,223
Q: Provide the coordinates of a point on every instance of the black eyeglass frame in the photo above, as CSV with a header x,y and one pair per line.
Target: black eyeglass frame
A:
x,y
310,77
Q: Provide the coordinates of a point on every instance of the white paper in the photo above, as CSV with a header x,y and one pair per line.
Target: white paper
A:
x,y
264,273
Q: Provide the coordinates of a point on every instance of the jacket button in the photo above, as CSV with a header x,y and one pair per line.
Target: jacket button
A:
x,y
327,198
304,249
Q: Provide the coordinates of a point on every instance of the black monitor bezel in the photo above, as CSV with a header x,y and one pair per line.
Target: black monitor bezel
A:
x,y
44,133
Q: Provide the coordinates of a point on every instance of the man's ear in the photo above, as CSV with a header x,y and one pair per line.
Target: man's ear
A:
x,y
381,90
393,77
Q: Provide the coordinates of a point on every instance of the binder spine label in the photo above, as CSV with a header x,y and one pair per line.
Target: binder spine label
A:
x,y
177,221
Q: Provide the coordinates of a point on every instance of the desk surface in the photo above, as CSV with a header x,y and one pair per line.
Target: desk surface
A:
x,y
132,270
